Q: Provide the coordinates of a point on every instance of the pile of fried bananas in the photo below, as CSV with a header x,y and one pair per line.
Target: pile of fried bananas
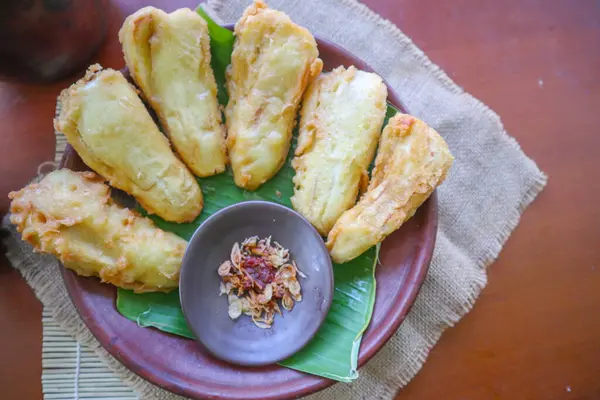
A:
x,y
275,74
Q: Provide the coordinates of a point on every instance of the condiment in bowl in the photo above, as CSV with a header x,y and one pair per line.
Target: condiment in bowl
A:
x,y
206,299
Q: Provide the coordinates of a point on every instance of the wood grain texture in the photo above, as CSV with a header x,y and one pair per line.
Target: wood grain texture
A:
x,y
534,333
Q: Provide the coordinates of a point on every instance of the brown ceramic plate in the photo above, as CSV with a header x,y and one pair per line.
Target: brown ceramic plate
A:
x,y
181,366
241,341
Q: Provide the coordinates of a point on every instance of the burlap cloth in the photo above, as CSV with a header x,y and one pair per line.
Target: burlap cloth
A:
x,y
489,186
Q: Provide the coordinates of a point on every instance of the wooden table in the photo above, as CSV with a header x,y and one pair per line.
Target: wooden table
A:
x,y
535,331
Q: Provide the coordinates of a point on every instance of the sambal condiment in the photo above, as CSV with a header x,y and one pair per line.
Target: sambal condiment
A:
x,y
259,275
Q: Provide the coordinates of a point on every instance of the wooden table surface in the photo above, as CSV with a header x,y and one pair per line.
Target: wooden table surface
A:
x,y
535,331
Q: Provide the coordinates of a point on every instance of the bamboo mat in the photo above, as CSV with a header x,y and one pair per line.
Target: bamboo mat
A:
x,y
72,372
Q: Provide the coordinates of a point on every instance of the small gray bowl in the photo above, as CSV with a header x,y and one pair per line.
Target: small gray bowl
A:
x,y
240,341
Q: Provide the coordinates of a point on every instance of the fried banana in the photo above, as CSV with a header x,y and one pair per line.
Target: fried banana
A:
x,y
168,56
272,63
72,216
110,128
341,120
412,160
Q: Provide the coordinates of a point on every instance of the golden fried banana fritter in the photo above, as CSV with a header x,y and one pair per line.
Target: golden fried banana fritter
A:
x,y
168,56
273,61
72,216
110,128
411,162
341,120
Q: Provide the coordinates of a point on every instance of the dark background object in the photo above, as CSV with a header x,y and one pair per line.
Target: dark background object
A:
x,y
46,40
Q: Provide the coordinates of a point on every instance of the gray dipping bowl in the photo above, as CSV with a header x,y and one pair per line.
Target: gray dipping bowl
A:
x,y
240,341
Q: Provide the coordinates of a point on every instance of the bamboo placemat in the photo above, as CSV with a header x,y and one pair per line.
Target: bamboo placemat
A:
x,y
71,371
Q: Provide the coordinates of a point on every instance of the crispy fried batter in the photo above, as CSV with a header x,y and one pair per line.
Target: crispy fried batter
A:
x,y
341,119
411,162
272,63
72,216
110,128
168,56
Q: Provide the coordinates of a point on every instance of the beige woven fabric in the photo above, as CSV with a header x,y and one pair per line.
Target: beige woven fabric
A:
x,y
489,186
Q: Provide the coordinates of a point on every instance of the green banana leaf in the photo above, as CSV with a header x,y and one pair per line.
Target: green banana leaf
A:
x,y
333,353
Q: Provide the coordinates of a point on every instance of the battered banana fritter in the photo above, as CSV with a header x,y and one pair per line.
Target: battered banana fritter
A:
x,y
272,63
168,56
72,216
341,120
412,160
110,128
